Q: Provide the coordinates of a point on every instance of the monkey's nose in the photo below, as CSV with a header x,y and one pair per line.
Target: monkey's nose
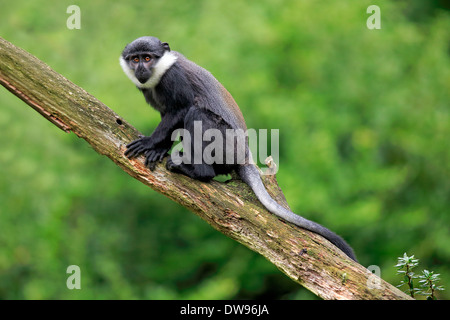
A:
x,y
142,75
142,78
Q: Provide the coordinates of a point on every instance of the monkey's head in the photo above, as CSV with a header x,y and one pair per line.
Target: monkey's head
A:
x,y
145,60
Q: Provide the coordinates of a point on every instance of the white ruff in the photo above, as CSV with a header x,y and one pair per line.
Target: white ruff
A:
x,y
163,64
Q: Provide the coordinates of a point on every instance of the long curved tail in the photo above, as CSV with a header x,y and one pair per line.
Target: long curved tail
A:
x,y
250,175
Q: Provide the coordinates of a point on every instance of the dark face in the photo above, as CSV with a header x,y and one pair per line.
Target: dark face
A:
x,y
142,55
142,64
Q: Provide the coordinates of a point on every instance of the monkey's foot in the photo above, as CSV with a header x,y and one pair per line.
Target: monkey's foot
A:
x,y
171,166
154,156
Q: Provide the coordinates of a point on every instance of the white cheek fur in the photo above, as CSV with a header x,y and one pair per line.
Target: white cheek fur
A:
x,y
164,63
128,71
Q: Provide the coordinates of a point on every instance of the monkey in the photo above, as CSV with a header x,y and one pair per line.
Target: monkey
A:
x,y
186,94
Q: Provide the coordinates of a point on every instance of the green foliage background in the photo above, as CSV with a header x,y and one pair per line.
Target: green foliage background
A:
x,y
364,121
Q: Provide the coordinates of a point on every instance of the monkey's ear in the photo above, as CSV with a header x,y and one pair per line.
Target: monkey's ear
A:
x,y
166,46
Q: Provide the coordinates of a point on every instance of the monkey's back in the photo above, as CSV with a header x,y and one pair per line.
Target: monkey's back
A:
x,y
211,94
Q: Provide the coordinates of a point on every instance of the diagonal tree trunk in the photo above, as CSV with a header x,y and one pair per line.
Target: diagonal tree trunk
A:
x,y
230,208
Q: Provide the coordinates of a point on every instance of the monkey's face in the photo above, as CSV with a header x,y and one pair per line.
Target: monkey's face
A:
x,y
145,60
142,64
140,67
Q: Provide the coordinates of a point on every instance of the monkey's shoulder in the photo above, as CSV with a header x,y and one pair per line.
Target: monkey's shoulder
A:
x,y
186,84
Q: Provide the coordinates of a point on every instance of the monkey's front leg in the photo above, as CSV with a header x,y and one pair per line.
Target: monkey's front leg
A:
x,y
158,144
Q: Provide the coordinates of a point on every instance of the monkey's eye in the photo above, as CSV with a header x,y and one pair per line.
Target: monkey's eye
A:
x,y
147,58
136,59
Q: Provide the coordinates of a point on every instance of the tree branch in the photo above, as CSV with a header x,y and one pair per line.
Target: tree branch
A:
x,y
230,208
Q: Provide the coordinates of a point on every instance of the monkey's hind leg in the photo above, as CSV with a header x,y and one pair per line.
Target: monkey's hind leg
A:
x,y
193,164
202,172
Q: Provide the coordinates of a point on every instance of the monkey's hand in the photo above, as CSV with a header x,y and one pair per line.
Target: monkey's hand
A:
x,y
138,147
145,145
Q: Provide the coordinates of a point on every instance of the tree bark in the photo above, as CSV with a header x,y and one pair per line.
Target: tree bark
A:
x,y
230,207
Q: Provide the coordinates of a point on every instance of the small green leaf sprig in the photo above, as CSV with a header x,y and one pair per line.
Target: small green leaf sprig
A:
x,y
427,280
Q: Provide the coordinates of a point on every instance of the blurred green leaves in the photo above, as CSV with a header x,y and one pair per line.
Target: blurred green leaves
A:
x,y
364,121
